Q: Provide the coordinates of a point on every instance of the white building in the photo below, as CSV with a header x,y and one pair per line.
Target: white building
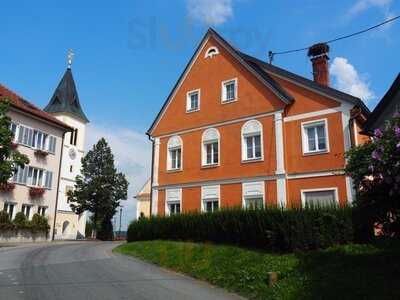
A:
x,y
65,106
39,136
143,201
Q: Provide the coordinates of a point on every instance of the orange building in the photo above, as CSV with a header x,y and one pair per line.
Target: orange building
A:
x,y
237,131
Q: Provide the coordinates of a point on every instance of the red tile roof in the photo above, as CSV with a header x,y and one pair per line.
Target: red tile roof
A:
x,y
21,104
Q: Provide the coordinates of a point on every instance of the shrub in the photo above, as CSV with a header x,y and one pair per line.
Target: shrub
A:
x,y
270,229
39,222
4,217
375,169
20,220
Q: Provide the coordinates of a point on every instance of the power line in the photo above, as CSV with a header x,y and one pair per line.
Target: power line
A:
x,y
272,54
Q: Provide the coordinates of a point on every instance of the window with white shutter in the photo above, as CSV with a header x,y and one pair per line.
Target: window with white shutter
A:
x,y
49,179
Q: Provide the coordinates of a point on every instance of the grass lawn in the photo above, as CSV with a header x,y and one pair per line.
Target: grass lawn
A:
x,y
342,272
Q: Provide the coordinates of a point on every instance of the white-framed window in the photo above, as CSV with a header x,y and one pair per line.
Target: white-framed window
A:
x,y
39,140
173,203
229,90
324,197
42,210
211,52
32,176
315,136
34,138
26,210
210,147
174,158
210,198
9,208
252,141
253,194
14,129
193,101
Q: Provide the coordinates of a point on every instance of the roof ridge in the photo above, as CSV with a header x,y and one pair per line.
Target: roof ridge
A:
x,y
22,104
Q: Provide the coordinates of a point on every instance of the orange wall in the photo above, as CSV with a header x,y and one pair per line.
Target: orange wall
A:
x,y
295,185
305,100
231,195
207,75
297,162
231,165
191,199
161,203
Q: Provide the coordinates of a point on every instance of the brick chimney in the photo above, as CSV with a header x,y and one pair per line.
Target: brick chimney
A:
x,y
318,54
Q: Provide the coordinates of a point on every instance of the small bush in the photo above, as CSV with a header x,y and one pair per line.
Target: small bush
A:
x,y
270,229
20,220
39,222
4,217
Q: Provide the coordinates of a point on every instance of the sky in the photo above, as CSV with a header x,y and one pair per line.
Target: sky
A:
x,y
129,54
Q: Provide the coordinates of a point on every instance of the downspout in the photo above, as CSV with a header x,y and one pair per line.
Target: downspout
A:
x,y
58,186
152,173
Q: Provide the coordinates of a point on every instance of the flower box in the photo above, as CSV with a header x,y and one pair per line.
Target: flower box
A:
x,y
40,152
36,192
7,187
14,146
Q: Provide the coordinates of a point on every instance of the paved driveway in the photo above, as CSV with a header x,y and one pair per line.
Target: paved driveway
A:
x,y
88,270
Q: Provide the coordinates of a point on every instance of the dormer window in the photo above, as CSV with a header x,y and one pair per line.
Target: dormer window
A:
x,y
193,101
229,90
212,51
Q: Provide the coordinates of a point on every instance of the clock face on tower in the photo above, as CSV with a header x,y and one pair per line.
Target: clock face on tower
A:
x,y
72,153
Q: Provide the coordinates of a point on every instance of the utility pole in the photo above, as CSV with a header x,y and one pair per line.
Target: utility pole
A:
x,y
120,220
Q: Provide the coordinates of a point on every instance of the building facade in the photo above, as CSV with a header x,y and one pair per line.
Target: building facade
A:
x,y
143,201
65,106
39,136
386,108
237,131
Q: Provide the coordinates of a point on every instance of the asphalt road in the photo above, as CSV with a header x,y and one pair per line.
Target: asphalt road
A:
x,y
89,270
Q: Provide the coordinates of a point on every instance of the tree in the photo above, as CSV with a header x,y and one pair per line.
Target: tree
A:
x,y
100,188
10,158
375,170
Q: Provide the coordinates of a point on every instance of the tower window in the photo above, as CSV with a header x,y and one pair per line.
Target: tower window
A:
x,y
74,137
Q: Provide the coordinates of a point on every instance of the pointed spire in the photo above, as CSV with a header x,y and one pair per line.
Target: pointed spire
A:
x,y
65,98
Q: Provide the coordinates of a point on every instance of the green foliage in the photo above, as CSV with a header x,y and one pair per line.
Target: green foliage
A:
x,y
100,188
20,219
38,222
272,229
105,232
10,159
375,169
4,217
341,272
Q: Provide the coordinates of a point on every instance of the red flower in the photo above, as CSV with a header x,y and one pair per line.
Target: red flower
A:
x,y
7,187
36,192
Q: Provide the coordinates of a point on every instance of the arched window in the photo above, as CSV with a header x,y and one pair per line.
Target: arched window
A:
x,y
212,51
252,141
174,161
65,227
210,147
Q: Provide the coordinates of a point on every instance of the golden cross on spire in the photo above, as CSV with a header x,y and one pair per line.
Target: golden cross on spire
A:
x,y
70,58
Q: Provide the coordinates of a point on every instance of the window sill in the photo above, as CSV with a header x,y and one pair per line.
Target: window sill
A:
x,y
252,160
174,170
228,101
192,110
210,166
315,153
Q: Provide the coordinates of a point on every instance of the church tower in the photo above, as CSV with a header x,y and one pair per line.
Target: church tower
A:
x,y
65,106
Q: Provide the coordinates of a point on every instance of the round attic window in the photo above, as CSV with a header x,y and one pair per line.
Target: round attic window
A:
x,y
212,51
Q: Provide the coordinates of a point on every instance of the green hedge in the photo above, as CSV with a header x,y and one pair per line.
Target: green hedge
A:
x,y
38,223
270,229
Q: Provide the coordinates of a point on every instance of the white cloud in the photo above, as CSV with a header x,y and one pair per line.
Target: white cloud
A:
x,y
210,12
348,80
362,5
132,154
